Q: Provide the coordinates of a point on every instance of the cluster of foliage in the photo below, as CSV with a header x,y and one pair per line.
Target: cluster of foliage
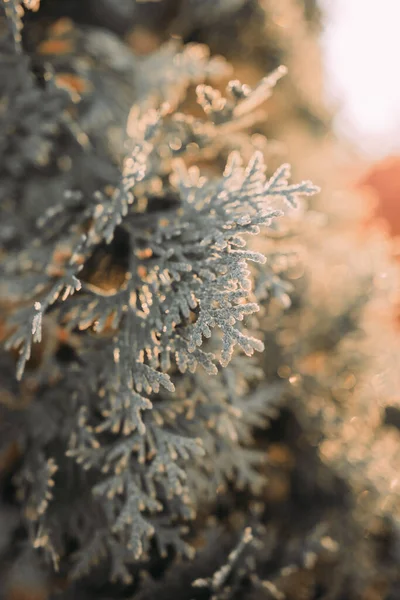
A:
x,y
143,454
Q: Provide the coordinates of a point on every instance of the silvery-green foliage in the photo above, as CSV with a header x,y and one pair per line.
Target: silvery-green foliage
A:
x,y
132,435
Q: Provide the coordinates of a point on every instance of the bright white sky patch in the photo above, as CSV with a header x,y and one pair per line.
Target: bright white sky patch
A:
x,y
361,45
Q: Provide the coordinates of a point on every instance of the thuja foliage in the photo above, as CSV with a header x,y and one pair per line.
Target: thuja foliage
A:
x,y
137,276
147,253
